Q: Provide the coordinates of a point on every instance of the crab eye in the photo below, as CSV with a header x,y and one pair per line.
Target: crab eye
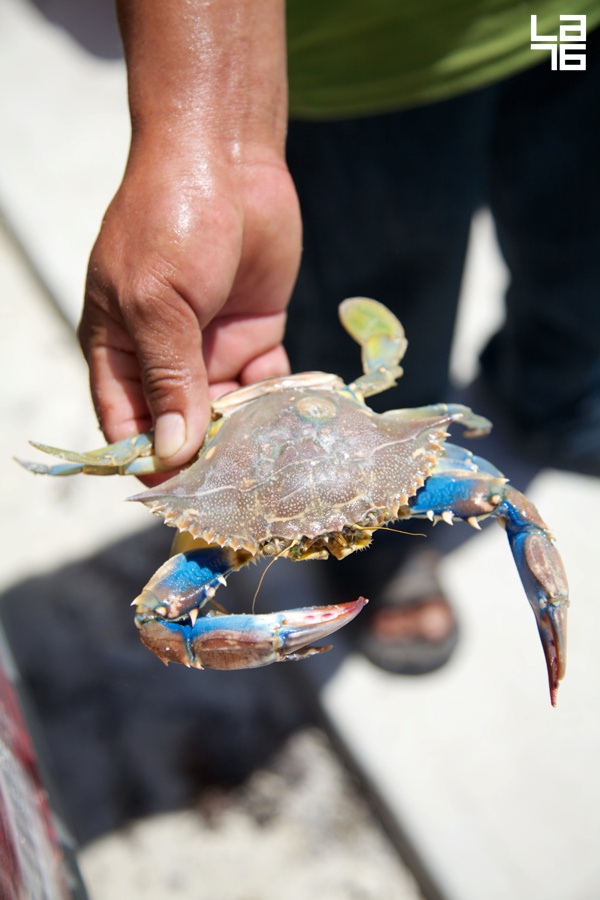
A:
x,y
316,409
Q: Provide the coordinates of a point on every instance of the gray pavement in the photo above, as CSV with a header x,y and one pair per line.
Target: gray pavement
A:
x,y
174,782
487,791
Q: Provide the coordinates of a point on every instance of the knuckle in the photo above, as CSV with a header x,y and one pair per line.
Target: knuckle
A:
x,y
166,386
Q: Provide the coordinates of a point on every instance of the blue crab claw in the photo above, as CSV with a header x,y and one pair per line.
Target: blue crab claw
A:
x,y
470,488
187,581
217,641
171,625
543,577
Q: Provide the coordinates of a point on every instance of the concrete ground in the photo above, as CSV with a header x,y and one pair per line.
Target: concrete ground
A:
x,y
171,780
224,775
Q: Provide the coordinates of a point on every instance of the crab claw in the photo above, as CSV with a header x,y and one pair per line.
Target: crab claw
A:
x,y
471,488
543,577
171,625
187,581
218,641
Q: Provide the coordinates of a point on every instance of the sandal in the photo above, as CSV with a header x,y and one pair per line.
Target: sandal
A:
x,y
410,629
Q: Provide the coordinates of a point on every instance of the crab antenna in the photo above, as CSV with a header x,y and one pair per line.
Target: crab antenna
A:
x,y
262,577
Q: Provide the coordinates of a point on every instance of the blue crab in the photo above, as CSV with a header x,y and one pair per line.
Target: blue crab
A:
x,y
301,467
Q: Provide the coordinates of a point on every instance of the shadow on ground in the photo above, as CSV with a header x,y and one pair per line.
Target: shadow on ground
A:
x,y
125,736
92,23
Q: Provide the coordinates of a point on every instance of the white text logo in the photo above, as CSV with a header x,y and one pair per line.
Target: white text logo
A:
x,y
567,49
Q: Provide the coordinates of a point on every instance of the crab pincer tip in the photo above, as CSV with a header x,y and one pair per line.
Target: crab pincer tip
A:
x,y
553,631
301,627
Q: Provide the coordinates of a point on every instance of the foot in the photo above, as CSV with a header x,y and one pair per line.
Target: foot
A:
x,y
411,629
427,619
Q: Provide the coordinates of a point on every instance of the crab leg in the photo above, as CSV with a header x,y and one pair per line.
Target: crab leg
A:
x,y
132,456
475,426
167,615
382,340
470,488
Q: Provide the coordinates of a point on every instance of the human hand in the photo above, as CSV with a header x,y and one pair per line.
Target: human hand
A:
x,y
197,255
186,293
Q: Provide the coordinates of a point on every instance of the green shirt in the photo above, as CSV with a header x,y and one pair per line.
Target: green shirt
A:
x,y
356,57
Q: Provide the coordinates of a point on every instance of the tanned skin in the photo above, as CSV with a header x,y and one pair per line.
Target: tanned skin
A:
x,y
198,252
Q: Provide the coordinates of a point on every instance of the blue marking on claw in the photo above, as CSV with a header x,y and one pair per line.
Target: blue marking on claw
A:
x,y
442,492
196,569
187,581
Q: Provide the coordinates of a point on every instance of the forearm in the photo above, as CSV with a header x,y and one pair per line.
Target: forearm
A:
x,y
205,73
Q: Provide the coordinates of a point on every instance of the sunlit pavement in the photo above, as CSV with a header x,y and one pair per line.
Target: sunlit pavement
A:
x,y
488,791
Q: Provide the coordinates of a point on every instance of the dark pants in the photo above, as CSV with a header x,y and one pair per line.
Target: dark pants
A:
x,y
387,202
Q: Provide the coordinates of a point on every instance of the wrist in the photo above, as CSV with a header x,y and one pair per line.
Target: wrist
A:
x,y
207,75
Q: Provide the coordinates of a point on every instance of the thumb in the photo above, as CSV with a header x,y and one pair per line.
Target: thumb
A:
x,y
168,343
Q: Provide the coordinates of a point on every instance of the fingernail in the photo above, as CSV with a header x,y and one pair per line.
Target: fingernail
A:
x,y
169,434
